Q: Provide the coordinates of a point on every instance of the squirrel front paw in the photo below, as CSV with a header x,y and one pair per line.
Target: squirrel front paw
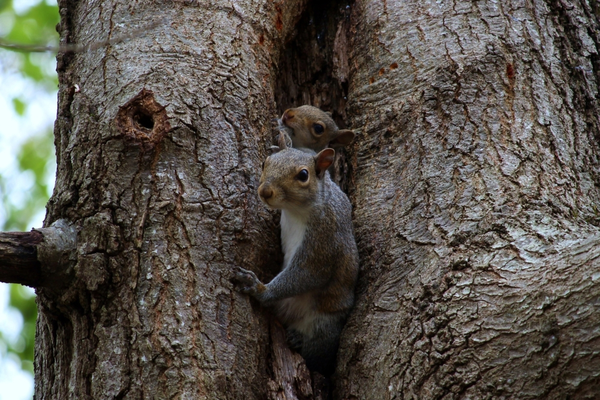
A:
x,y
246,282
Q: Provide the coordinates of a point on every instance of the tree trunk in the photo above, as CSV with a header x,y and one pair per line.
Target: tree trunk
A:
x,y
476,189
159,139
474,180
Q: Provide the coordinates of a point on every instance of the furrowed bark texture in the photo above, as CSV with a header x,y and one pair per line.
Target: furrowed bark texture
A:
x,y
475,188
160,139
475,180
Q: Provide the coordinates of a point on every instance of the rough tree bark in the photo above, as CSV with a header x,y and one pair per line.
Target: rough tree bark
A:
x,y
159,141
476,185
475,180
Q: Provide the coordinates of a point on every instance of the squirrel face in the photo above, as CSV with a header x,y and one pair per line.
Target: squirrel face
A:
x,y
312,128
290,178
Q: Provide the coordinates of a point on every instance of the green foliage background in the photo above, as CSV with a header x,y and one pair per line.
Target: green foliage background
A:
x,y
33,26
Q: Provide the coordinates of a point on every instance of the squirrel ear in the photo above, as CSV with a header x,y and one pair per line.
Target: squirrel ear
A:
x,y
329,113
284,141
323,160
344,138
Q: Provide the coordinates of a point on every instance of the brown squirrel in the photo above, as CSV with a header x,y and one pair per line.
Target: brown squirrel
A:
x,y
314,292
312,128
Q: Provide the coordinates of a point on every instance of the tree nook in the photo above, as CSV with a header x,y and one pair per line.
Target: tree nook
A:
x,y
474,178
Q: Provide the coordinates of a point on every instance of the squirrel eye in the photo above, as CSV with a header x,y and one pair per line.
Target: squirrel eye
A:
x,y
302,175
263,165
318,128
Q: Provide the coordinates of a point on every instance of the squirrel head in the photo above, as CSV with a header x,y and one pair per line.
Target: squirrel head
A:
x,y
312,128
291,178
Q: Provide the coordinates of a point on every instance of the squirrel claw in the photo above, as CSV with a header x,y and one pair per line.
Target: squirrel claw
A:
x,y
245,281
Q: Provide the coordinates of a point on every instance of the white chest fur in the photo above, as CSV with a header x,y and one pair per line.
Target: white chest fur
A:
x,y
293,228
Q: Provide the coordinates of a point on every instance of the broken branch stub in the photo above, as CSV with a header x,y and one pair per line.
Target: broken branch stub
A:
x,y
18,258
42,257
56,253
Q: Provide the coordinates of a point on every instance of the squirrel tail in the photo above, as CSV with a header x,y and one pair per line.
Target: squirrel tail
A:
x,y
320,350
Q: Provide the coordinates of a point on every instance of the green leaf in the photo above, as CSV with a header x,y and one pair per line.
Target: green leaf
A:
x,y
19,106
35,26
34,158
31,70
4,4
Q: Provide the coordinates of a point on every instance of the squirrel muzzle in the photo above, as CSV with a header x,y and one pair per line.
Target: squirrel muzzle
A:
x,y
265,192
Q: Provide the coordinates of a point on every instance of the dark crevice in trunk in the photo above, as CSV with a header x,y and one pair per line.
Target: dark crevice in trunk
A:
x,y
312,69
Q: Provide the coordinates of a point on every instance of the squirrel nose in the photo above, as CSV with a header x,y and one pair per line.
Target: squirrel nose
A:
x,y
265,192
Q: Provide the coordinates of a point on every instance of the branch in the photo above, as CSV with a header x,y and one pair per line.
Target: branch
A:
x,y
38,258
18,258
78,48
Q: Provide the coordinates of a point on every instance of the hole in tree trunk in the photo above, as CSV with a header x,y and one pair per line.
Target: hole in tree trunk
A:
x,y
313,68
143,119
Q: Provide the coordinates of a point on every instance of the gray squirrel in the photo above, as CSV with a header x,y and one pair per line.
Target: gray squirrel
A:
x,y
314,292
312,128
